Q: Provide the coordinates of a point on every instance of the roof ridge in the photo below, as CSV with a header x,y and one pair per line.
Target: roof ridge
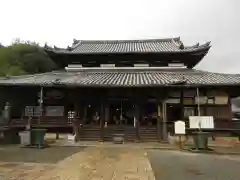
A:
x,y
128,40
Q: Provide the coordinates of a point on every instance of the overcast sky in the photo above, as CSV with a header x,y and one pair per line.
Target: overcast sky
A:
x,y
59,21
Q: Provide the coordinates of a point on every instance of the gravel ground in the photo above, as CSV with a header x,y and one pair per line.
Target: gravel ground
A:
x,y
14,153
172,165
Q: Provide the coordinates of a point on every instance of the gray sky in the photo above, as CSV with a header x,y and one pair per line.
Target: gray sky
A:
x,y
59,21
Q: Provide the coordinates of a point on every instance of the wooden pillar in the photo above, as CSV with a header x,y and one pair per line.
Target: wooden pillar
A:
x,y
136,121
102,120
76,128
137,114
76,122
107,113
57,135
205,107
181,103
40,105
81,118
229,108
159,123
140,118
164,125
84,113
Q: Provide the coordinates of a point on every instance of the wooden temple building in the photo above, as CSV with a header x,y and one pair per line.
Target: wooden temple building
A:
x,y
135,87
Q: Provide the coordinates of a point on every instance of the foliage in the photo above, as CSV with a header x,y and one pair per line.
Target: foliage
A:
x,y
24,58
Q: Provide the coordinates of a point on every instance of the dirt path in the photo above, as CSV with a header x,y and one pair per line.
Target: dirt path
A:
x,y
96,163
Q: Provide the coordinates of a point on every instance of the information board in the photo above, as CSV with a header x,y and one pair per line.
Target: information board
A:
x,y
179,127
203,122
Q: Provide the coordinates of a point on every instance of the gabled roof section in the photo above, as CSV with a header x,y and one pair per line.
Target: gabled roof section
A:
x,y
169,45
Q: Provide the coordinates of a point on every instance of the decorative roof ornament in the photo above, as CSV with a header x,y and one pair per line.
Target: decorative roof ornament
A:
x,y
75,42
69,48
181,46
56,48
46,46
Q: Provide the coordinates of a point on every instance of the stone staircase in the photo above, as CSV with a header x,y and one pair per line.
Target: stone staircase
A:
x,y
128,131
148,134
90,133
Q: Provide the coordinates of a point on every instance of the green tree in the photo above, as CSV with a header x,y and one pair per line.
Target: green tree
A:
x,y
24,58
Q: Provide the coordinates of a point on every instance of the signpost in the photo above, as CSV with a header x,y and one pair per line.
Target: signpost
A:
x,y
180,130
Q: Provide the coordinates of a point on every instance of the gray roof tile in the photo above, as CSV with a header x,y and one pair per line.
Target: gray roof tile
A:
x,y
133,46
126,78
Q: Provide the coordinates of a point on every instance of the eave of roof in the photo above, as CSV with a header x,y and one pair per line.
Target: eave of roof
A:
x,y
128,78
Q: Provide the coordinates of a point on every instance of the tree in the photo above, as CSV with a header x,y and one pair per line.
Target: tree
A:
x,y
24,58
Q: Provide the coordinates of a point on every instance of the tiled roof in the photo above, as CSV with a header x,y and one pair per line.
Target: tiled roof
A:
x,y
133,46
127,78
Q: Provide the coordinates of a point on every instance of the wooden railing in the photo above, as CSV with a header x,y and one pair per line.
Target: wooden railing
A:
x,y
44,121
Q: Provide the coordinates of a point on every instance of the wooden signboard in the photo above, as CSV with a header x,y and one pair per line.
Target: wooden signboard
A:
x,y
203,122
179,127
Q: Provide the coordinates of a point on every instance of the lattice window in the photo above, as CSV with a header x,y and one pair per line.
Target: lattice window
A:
x,y
29,111
32,111
71,116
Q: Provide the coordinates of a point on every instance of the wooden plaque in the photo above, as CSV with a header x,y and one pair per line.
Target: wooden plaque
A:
x,y
179,127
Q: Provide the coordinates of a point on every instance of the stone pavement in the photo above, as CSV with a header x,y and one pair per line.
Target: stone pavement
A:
x,y
172,165
93,163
